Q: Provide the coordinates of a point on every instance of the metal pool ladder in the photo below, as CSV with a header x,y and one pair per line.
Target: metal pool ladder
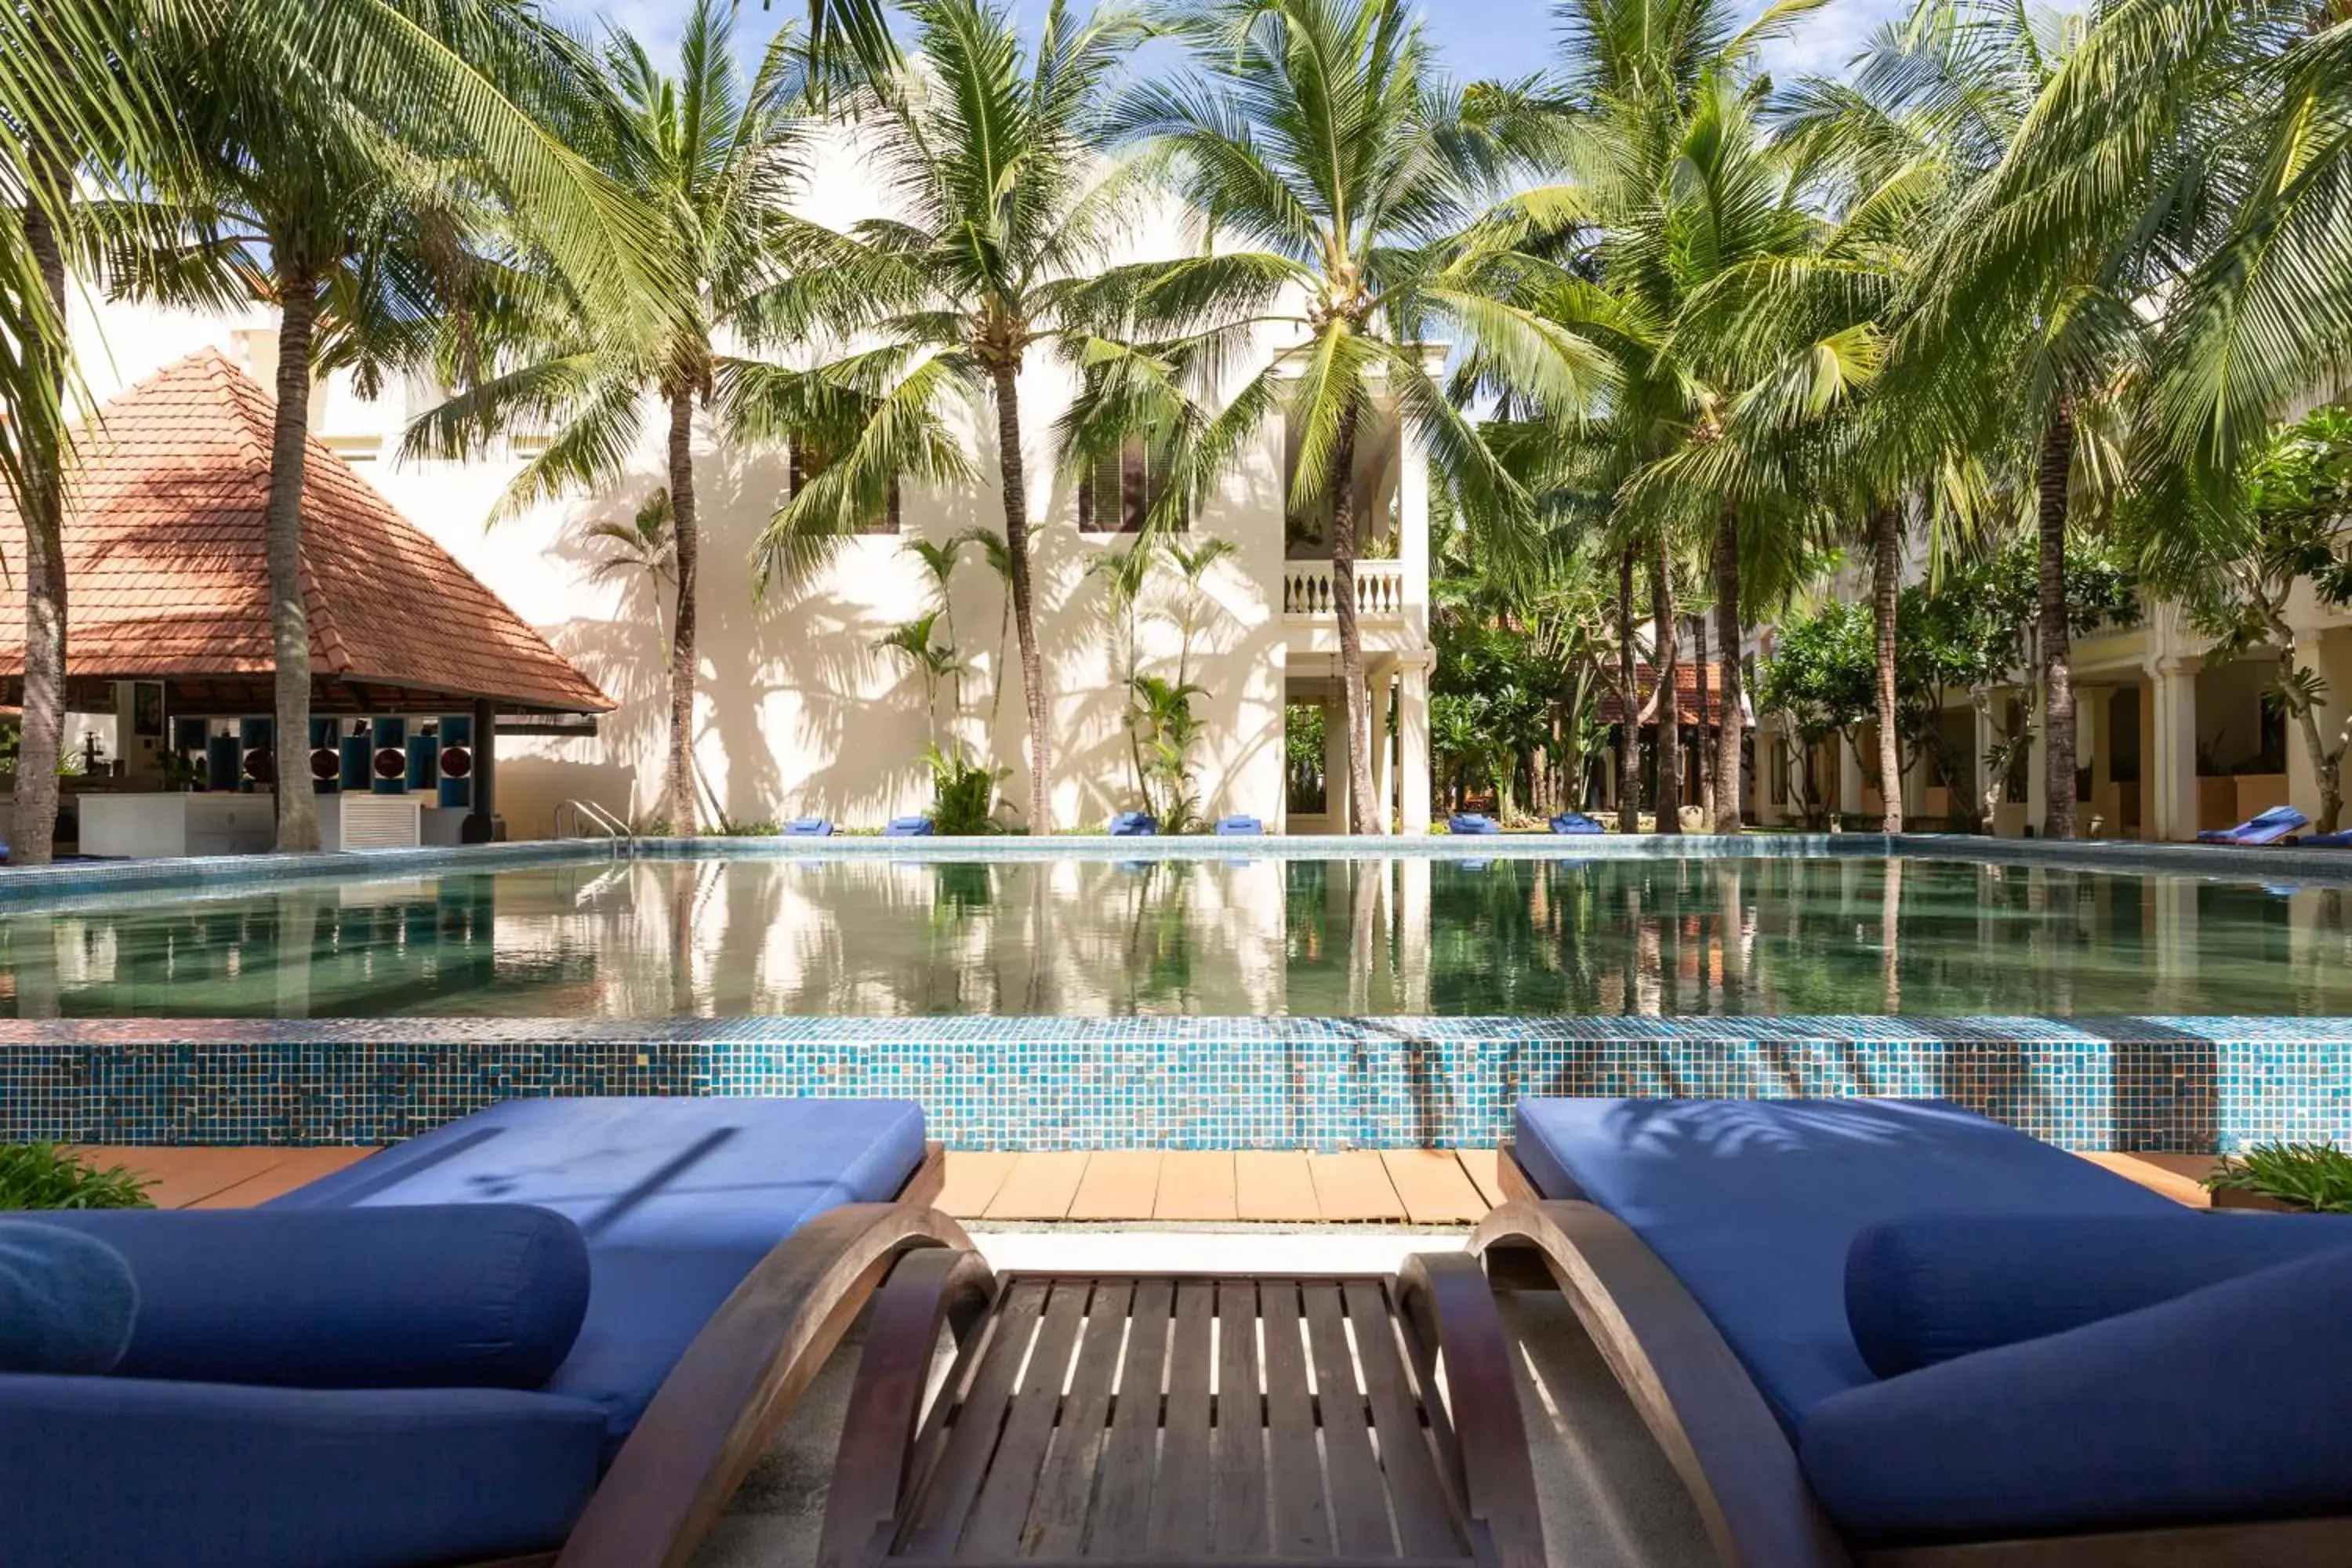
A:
x,y
587,814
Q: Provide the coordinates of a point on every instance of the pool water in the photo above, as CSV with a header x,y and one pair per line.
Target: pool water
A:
x,y
1308,938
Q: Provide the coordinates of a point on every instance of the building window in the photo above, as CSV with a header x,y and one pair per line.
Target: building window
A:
x,y
1116,495
809,460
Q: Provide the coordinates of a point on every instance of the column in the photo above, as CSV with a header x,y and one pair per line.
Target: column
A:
x,y
2037,772
2147,787
480,822
1981,780
2169,756
2093,720
1849,783
1334,762
1413,748
1385,773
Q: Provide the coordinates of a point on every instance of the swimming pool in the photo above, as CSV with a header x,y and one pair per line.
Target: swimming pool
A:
x,y
1412,935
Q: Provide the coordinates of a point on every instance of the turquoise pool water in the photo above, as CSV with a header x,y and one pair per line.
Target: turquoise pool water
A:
x,y
1412,936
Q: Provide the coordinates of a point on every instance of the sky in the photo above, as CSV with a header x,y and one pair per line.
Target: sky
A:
x,y
1481,38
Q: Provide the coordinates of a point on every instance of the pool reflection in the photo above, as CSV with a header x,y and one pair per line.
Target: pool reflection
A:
x,y
1272,936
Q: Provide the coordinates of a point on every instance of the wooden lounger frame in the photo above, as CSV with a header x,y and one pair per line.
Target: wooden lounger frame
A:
x,y
716,1413
1716,1429
988,1470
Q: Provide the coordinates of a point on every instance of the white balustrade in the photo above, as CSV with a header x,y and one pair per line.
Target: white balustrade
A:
x,y
1307,590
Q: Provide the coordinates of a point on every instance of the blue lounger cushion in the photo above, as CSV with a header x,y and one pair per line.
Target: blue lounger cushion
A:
x,y
68,1301
808,827
101,1471
449,1296
1927,1289
2340,839
1133,825
2226,1403
908,827
1239,826
679,1198
2265,827
1753,1204
1575,822
1470,822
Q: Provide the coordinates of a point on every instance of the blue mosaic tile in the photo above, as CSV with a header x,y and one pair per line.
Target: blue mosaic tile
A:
x,y
2171,1084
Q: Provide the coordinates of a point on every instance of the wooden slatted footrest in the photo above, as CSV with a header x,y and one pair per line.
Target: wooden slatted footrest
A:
x,y
1187,1419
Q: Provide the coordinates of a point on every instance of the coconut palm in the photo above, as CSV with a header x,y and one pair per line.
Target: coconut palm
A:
x,y
715,156
990,149
998,559
933,661
939,561
1193,564
1337,172
1124,574
130,101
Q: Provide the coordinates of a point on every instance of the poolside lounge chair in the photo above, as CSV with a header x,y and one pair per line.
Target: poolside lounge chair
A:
x,y
808,827
1133,825
908,827
1239,826
1471,821
559,1323
2339,839
2268,828
1575,822
1896,1332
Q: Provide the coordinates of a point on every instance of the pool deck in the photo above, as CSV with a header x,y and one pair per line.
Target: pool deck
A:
x,y
1409,1186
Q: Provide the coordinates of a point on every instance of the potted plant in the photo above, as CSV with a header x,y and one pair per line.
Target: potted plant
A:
x,y
2285,1178
46,1176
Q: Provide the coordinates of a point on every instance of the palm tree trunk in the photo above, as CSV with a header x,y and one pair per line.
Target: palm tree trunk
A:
x,y
289,622
1629,723
684,665
1887,586
1360,805
1709,737
1016,479
2057,656
1668,720
1727,636
31,837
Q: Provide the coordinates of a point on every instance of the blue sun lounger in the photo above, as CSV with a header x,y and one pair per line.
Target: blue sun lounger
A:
x,y
1575,822
2339,839
808,827
1133,825
908,827
1869,1326
461,1348
1239,826
1471,821
2268,828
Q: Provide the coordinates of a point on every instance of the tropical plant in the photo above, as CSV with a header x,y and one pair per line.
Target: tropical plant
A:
x,y
48,1177
1193,564
715,158
1168,729
934,662
1821,679
1302,753
2316,1176
1338,176
939,561
998,558
991,148
1124,574
2235,576
963,793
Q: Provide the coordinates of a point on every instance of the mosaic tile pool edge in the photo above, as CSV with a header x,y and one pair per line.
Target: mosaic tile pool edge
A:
x,y
2149,1084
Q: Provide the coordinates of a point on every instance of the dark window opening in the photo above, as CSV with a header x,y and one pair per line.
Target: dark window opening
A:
x,y
1118,494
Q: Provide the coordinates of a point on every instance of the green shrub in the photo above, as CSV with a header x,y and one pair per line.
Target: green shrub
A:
x,y
963,794
44,1176
2314,1175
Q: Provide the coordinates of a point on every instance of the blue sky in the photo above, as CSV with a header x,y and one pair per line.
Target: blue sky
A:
x,y
1480,37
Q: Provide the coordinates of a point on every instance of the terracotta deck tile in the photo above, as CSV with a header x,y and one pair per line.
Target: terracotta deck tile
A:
x,y
1039,1186
1432,1187
1273,1184
1119,1184
1354,1186
1196,1184
184,1177
299,1169
2180,1177
973,1177
1484,1167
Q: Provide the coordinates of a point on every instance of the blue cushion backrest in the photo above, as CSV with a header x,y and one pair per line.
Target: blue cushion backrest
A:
x,y
1928,1289
463,1296
679,1198
2230,1403
117,1472
67,1300
1753,1202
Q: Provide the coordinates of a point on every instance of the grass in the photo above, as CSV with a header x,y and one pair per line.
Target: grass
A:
x,y
2313,1175
44,1176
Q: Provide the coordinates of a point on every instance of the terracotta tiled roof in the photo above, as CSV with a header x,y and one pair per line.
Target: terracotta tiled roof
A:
x,y
167,578
1686,703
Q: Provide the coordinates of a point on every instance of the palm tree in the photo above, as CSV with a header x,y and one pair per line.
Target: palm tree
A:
x,y
715,158
119,99
994,554
1124,574
1193,565
938,562
934,662
1338,174
991,150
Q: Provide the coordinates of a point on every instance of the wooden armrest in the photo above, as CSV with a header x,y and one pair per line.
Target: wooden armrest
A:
x,y
1446,1298
1698,1401
871,1474
715,1414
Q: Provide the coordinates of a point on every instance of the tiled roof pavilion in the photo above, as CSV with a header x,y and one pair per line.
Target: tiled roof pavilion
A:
x,y
167,579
